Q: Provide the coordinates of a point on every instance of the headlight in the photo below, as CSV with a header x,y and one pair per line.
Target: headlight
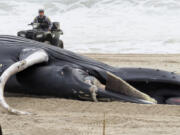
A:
x,y
53,35
39,36
22,35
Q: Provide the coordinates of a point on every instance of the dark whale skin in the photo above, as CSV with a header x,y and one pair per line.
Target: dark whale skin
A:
x,y
62,75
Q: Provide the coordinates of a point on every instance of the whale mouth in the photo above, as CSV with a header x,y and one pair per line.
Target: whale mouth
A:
x,y
116,87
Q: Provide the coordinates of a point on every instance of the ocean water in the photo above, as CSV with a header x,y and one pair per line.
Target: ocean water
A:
x,y
103,26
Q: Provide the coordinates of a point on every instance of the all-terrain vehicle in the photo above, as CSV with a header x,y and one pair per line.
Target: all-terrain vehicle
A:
x,y
37,33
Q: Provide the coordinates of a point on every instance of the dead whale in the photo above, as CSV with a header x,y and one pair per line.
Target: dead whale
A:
x,y
35,68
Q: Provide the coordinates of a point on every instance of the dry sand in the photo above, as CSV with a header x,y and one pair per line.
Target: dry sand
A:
x,y
69,117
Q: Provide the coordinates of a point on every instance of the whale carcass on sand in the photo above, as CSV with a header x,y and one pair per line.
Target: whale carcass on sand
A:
x,y
31,67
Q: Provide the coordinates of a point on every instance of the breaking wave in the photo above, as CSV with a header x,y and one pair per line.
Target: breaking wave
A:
x,y
103,26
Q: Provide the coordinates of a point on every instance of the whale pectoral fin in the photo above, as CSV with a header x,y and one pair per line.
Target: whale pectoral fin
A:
x,y
118,85
28,57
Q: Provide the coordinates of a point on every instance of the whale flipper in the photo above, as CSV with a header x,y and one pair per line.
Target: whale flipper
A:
x,y
118,85
27,58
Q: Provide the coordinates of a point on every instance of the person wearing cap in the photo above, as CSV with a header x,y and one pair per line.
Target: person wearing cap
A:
x,y
44,21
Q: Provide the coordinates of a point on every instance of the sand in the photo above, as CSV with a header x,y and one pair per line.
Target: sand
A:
x,y
53,116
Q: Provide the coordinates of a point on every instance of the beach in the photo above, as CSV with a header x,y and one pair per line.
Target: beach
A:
x,y
56,116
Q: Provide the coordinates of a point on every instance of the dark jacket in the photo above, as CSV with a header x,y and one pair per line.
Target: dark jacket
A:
x,y
45,22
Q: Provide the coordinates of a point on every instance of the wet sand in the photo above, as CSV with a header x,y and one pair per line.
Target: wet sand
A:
x,y
55,116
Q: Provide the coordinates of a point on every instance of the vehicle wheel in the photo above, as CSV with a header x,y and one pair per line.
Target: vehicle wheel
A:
x,y
61,44
58,43
21,33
